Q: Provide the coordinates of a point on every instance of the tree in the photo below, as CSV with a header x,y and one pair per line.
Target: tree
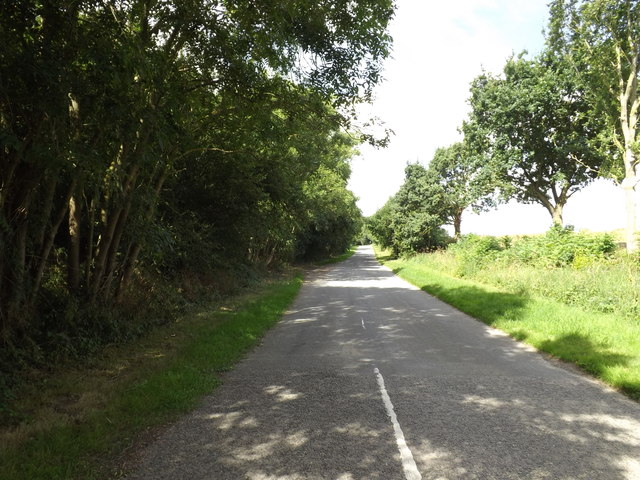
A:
x,y
333,218
380,225
533,127
275,187
601,39
411,221
464,180
102,103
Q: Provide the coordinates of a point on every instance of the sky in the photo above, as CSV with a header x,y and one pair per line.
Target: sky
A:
x,y
439,47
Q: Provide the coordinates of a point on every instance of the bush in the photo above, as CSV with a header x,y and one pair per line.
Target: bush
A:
x,y
561,247
577,269
473,252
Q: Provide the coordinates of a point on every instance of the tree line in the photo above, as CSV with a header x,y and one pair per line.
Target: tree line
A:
x,y
537,133
164,135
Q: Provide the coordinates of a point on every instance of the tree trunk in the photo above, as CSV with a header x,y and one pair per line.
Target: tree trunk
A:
x,y
104,244
629,105
46,249
73,273
91,207
628,186
45,216
457,222
18,284
556,215
106,240
18,287
136,247
115,246
7,178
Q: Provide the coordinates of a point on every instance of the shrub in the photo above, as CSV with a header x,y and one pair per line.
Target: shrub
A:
x,y
474,252
561,247
577,269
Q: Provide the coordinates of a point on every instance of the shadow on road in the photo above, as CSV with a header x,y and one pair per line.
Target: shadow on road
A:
x,y
473,403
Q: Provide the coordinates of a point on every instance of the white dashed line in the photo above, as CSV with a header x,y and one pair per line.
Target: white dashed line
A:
x,y
408,463
363,323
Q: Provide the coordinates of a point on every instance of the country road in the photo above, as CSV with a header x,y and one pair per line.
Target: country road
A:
x,y
367,377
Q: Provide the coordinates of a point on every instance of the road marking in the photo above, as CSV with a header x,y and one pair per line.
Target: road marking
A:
x,y
408,463
363,323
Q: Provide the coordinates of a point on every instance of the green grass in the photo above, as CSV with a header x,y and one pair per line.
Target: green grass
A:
x,y
605,345
77,424
338,258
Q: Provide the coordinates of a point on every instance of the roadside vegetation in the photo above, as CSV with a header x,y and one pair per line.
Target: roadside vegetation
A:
x,y
81,421
338,258
153,153
571,295
158,158
538,132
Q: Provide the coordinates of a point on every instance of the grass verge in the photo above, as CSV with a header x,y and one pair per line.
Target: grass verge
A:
x,y
338,258
605,345
77,424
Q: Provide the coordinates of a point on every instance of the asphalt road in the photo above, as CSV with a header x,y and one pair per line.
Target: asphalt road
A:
x,y
369,378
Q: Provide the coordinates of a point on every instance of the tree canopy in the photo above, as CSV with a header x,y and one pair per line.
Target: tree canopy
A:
x,y
411,220
464,180
534,129
172,134
601,39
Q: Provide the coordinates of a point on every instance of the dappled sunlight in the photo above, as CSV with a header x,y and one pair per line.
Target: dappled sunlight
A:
x,y
304,320
484,403
437,460
478,429
306,426
265,476
630,466
356,429
472,402
380,283
283,394
256,452
231,420
608,427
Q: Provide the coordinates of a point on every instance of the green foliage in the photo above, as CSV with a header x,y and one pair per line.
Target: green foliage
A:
x,y
411,221
561,247
606,345
337,258
154,393
582,270
465,181
601,40
380,225
333,218
364,236
474,251
176,138
534,130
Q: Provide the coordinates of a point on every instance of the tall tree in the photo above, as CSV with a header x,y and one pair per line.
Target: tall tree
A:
x,y
101,100
533,127
601,38
464,180
380,225
411,221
